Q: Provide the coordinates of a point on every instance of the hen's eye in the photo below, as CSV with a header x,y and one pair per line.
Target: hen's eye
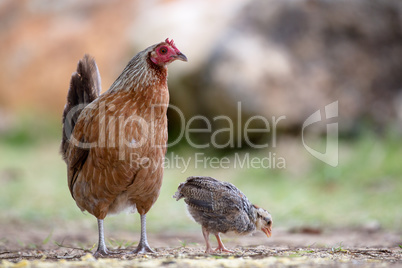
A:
x,y
163,50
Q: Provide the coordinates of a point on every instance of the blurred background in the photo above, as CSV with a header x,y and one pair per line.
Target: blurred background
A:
x,y
277,58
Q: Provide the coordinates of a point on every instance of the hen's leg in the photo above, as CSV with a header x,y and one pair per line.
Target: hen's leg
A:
x,y
143,246
206,237
221,247
102,250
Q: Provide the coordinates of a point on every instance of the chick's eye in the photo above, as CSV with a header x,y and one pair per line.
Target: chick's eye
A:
x,y
163,50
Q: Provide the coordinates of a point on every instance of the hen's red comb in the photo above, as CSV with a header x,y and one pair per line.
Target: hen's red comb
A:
x,y
171,42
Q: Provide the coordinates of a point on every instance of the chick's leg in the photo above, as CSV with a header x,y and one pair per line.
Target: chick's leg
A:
x,y
143,246
102,250
221,247
206,237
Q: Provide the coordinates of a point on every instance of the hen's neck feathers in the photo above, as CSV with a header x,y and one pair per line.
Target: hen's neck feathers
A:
x,y
140,74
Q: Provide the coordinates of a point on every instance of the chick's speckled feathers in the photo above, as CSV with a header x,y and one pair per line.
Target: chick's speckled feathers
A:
x,y
220,208
224,207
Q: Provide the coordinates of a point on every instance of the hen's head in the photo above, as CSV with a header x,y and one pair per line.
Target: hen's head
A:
x,y
166,52
264,221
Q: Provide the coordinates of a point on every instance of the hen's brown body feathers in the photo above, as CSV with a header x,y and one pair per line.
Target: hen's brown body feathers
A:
x,y
126,131
109,176
114,144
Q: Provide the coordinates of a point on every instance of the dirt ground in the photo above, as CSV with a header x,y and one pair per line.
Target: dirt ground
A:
x,y
305,247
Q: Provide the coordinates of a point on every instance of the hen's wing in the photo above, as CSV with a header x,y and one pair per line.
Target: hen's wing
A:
x,y
98,148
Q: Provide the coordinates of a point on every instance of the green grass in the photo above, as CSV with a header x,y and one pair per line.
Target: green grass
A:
x,y
338,248
365,187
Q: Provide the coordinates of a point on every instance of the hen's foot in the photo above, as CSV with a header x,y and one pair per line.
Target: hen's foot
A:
x,y
101,253
142,248
105,254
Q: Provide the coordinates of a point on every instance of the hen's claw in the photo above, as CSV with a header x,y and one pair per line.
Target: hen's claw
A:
x,y
143,249
101,254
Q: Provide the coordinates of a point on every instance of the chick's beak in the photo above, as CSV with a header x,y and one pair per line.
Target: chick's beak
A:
x,y
267,231
180,56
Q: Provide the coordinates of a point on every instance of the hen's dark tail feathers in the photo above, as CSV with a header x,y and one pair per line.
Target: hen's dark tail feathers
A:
x,y
85,86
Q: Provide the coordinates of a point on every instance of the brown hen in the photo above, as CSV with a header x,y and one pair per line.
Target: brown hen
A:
x,y
114,144
220,208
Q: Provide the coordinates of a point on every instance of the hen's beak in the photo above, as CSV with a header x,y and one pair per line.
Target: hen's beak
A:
x,y
180,56
267,231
